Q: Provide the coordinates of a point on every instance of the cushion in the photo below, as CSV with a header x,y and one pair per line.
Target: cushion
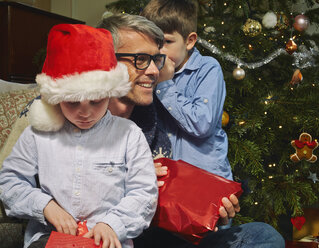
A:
x,y
11,105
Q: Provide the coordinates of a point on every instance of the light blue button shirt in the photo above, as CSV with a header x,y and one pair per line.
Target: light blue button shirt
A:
x,y
104,174
194,101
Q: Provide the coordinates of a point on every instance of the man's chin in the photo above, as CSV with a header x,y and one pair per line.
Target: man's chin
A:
x,y
139,101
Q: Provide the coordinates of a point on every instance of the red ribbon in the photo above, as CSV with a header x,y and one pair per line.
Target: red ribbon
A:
x,y
301,144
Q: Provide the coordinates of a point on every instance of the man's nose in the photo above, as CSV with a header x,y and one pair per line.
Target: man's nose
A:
x,y
152,69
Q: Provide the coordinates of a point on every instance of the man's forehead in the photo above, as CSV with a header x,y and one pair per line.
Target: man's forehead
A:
x,y
134,41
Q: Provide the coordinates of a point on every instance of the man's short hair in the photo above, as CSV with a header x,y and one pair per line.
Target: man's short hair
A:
x,y
173,15
140,24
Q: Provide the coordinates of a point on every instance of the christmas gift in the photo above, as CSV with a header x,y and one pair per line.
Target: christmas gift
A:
x,y
190,199
62,240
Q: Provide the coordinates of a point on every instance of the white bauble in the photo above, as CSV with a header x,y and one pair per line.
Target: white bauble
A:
x,y
269,20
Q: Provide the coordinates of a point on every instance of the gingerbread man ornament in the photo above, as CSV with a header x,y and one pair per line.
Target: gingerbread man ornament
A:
x,y
304,148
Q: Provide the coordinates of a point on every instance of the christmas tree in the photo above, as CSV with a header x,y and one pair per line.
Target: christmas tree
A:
x,y
270,63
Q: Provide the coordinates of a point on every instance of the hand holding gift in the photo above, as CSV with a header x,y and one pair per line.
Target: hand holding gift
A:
x,y
190,199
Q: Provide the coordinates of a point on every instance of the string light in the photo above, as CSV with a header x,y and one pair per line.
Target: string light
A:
x,y
280,126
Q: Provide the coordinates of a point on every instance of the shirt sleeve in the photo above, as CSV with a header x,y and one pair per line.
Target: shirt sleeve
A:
x,y
135,211
18,187
199,113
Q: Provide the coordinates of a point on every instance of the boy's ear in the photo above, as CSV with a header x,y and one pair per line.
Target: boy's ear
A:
x,y
191,40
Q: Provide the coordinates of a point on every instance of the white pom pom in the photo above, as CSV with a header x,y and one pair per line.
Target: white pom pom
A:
x,y
269,20
45,117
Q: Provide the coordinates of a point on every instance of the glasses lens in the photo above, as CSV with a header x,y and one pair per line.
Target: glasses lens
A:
x,y
142,61
159,60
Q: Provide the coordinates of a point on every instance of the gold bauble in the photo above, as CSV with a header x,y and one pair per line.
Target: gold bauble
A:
x,y
252,27
282,21
225,119
239,73
291,47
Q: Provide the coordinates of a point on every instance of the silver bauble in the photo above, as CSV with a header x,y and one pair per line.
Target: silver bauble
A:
x,y
239,73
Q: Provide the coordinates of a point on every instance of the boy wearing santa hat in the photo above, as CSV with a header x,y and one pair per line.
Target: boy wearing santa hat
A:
x,y
91,165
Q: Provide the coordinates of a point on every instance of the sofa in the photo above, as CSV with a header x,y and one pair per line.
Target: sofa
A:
x,y
13,99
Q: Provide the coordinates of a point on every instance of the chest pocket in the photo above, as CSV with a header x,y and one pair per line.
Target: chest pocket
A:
x,y
107,178
109,166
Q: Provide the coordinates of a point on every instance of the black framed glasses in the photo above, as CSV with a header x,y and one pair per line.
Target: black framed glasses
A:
x,y
143,60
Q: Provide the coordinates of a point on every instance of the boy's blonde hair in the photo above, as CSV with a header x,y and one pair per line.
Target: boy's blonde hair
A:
x,y
173,15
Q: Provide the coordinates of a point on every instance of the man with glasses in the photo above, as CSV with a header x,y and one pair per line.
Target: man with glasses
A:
x,y
137,42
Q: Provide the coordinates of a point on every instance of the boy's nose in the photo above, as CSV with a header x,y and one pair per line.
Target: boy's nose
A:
x,y
84,109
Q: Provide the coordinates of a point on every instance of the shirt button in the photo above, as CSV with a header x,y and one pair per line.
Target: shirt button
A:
x,y
79,148
169,108
110,170
169,134
158,91
205,100
77,193
78,169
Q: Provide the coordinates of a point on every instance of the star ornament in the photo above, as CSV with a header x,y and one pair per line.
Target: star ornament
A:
x,y
313,177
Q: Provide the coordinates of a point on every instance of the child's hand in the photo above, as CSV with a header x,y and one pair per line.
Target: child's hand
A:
x,y
160,171
103,232
59,218
167,72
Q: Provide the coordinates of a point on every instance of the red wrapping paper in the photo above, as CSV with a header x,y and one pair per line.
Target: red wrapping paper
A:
x,y
190,199
61,240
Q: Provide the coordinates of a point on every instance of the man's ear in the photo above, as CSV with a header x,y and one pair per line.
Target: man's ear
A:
x,y
191,40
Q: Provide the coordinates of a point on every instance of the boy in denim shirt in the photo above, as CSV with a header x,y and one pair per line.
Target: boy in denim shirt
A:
x,y
193,99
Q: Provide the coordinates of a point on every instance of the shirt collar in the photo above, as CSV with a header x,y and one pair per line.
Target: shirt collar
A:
x,y
193,63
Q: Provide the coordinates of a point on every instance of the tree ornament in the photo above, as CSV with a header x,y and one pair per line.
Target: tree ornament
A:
x,y
313,177
298,221
296,78
238,73
282,21
225,119
304,148
291,46
301,22
252,27
269,20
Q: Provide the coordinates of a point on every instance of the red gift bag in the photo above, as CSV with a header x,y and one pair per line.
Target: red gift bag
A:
x,y
190,198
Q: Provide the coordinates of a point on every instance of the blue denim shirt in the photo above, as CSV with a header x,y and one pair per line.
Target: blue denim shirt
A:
x,y
191,114
104,174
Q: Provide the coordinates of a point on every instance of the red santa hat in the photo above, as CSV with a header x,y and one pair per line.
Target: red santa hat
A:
x,y
80,65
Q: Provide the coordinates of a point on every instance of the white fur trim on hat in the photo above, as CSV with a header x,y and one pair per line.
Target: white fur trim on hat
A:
x,y
45,117
91,85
